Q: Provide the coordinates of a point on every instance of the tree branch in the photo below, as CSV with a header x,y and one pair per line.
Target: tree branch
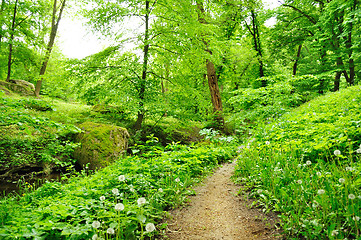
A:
x,y
167,79
165,49
311,19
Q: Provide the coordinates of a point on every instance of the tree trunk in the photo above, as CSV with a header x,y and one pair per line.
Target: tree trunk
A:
x,y
2,7
11,42
348,44
296,61
212,77
336,83
215,94
54,29
257,45
141,91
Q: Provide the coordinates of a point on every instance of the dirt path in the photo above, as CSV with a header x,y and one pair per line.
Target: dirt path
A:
x,y
217,213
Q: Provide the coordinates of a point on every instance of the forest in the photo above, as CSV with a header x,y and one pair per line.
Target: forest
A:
x,y
104,146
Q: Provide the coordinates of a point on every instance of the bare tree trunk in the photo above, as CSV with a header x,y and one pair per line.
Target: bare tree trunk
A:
x,y
212,77
141,91
11,42
54,29
296,61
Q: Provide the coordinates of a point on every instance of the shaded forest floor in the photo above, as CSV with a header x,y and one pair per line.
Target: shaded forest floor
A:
x,y
217,212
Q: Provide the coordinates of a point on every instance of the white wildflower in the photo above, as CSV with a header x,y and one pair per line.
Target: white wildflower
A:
x,y
334,233
308,163
299,165
268,143
349,169
121,178
115,191
96,224
358,150
102,198
341,180
356,218
177,180
320,192
95,237
351,196
149,227
337,152
110,231
141,201
319,174
160,189
119,207
299,181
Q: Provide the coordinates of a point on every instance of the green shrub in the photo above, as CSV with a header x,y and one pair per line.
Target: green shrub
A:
x,y
328,123
127,197
306,165
28,139
271,102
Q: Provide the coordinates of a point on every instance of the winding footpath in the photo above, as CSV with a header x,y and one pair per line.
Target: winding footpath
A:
x,y
216,212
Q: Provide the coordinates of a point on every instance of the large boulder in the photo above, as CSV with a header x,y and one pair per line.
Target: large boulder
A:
x,y
19,86
5,91
101,144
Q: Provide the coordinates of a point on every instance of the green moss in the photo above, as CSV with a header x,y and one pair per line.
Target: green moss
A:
x,y
101,144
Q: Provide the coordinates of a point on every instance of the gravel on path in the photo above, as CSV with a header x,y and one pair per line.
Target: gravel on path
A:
x,y
217,212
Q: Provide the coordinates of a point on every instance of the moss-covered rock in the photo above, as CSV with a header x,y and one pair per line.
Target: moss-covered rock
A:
x,y
101,144
19,86
5,91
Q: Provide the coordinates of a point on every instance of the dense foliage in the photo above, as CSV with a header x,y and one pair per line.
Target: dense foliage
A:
x,y
121,201
27,139
306,165
171,71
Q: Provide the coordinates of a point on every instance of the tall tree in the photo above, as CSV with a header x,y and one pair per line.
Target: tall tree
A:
x,y
142,85
118,12
212,75
2,19
254,29
22,34
54,29
330,35
12,30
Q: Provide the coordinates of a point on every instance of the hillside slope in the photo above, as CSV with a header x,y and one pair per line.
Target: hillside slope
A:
x,y
306,165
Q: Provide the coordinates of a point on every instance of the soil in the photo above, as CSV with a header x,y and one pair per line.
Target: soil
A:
x,y
218,212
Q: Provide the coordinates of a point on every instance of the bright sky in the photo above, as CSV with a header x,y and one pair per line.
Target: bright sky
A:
x,y
76,42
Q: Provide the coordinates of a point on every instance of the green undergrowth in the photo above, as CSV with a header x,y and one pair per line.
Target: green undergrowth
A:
x,y
126,200
306,166
253,106
27,138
